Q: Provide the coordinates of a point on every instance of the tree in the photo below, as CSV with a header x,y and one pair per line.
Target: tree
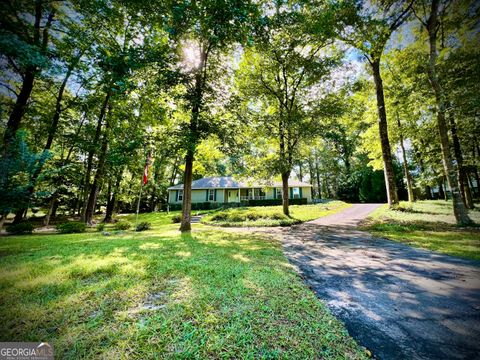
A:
x,y
368,29
24,42
281,76
431,23
204,30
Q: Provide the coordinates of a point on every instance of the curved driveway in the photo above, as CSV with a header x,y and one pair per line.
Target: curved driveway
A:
x,y
400,302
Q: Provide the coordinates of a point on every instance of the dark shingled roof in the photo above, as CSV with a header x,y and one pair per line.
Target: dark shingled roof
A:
x,y
227,182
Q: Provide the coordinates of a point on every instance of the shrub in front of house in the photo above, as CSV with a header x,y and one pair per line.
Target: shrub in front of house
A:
x,y
177,219
143,226
100,227
122,225
263,202
72,227
20,228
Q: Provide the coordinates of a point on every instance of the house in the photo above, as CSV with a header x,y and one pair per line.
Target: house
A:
x,y
224,189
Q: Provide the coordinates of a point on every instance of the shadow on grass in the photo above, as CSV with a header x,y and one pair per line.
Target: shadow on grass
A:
x,y
197,294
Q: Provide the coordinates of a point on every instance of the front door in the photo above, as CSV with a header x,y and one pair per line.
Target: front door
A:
x,y
232,195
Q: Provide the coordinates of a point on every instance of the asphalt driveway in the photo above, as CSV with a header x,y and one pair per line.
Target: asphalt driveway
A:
x,y
399,302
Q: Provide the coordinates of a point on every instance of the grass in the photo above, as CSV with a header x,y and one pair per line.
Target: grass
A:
x,y
272,215
158,294
429,225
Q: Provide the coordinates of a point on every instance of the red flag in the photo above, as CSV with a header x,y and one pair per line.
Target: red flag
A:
x,y
145,170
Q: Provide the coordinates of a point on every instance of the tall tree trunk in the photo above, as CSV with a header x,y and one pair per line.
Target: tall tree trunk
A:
x,y
392,196
110,203
441,193
94,189
91,153
51,207
112,198
20,106
40,41
462,175
200,79
445,183
300,171
408,176
187,192
54,209
470,183
173,177
459,209
477,180
317,173
428,192
311,171
285,194
51,134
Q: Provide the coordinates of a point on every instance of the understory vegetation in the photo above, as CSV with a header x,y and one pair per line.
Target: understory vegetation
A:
x,y
427,224
272,215
209,294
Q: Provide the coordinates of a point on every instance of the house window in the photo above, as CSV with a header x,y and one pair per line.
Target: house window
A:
x,y
180,195
259,192
296,193
211,195
279,193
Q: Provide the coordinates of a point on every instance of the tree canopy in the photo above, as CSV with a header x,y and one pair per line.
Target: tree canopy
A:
x,y
366,100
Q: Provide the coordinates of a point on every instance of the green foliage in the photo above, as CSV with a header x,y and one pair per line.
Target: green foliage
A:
x,y
426,224
364,185
100,227
271,215
72,227
16,171
20,228
122,225
143,226
176,219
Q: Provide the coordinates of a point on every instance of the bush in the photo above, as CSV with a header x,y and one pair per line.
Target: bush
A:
x,y
21,228
100,227
221,216
403,207
237,216
123,225
301,201
279,216
72,227
143,226
264,202
177,219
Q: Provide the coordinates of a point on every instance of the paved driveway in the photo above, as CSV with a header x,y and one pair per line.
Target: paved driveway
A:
x,y
400,302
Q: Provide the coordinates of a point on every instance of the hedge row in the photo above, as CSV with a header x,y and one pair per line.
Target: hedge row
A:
x,y
215,205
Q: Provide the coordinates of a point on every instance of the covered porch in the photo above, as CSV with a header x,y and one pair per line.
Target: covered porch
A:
x,y
238,195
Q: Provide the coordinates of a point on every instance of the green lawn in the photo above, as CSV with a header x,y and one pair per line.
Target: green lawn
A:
x,y
272,215
427,224
159,294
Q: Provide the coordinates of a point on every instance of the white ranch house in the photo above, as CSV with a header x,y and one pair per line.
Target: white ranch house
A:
x,y
225,189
